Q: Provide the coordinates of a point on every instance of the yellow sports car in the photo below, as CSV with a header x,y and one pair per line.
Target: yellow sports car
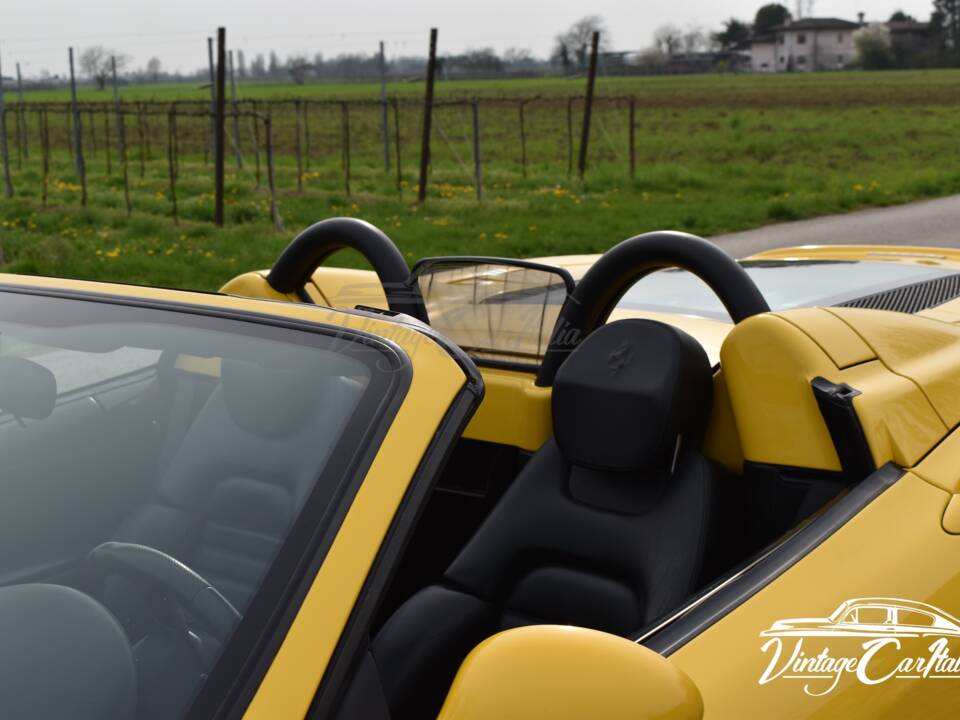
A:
x,y
656,483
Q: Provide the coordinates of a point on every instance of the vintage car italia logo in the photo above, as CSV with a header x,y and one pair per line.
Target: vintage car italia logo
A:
x,y
871,640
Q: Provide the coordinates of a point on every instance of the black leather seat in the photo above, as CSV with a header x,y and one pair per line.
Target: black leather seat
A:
x,y
242,472
606,527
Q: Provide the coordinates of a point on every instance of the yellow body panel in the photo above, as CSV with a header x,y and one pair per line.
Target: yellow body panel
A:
x,y
514,411
921,349
559,672
769,363
895,548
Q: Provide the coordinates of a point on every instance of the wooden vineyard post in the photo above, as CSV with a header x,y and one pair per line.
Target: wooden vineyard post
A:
x,y
121,136
427,119
4,148
256,147
77,135
238,157
271,175
220,148
588,105
384,122
23,115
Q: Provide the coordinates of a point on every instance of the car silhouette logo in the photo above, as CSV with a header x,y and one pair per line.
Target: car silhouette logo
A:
x,y
872,617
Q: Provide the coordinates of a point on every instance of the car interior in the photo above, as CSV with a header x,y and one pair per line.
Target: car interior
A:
x,y
638,474
622,515
146,491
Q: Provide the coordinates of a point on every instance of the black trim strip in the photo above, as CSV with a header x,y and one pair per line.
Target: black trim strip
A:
x,y
355,638
728,593
835,401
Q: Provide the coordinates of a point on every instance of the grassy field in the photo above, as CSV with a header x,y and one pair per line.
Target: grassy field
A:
x,y
714,154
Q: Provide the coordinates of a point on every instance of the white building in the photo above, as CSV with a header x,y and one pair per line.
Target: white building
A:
x,y
763,53
805,45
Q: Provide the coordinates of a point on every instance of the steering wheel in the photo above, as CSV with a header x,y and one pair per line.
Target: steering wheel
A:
x,y
599,290
170,577
310,248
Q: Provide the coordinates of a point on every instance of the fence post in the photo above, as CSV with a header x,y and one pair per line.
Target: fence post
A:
x,y
4,149
346,147
588,105
77,135
427,118
384,124
171,161
256,145
121,135
633,137
236,118
271,175
23,114
396,144
477,166
219,134
298,147
569,136
213,98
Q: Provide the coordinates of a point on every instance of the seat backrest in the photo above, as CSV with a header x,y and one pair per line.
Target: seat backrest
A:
x,y
606,527
238,478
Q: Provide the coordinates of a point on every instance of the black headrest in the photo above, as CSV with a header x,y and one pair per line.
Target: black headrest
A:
x,y
27,390
270,401
622,398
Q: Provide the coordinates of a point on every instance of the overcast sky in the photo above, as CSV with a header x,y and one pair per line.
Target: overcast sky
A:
x,y
37,32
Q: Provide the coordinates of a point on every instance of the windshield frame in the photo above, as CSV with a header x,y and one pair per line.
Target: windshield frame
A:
x,y
250,650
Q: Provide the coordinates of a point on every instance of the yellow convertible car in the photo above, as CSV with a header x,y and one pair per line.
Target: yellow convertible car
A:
x,y
655,483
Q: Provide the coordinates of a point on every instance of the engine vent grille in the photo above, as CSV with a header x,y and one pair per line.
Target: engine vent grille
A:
x,y
911,298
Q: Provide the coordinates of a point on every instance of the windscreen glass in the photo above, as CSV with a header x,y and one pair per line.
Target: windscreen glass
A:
x,y
496,312
154,464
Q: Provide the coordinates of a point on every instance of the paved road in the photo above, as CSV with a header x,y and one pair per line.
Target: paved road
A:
x,y
931,222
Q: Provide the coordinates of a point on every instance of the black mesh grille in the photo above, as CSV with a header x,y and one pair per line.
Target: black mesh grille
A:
x,y
911,298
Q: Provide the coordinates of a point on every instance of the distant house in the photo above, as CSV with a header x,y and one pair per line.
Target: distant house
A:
x,y
908,30
763,53
815,44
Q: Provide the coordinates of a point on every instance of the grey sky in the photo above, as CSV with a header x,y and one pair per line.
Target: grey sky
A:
x,y
37,32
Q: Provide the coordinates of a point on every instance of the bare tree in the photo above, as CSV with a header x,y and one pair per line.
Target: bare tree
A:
x,y
154,68
298,66
668,39
573,43
95,63
695,39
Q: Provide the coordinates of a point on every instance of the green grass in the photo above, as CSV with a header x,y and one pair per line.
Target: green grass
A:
x,y
714,154
894,87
